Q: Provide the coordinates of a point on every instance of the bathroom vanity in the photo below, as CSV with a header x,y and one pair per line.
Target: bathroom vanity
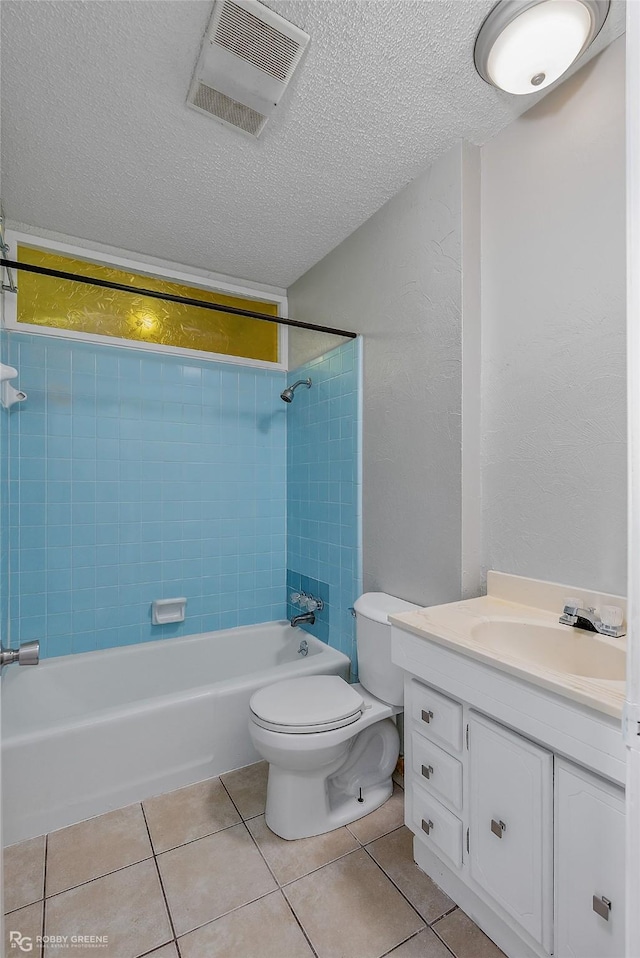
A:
x,y
515,766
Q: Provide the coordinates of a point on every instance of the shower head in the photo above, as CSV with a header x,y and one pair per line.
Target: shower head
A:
x,y
287,394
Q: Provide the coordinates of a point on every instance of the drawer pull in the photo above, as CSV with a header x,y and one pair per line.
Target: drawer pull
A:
x,y
427,826
601,906
427,715
498,828
427,771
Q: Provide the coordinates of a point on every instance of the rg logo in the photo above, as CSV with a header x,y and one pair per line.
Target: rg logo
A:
x,y
20,941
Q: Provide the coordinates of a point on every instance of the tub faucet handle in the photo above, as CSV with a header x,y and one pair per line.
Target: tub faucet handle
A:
x,y
313,604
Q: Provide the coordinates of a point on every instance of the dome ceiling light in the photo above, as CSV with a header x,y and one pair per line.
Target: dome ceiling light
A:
x,y
526,45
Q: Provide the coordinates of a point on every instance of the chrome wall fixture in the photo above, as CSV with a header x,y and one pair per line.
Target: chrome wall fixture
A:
x,y
287,394
9,395
28,653
526,45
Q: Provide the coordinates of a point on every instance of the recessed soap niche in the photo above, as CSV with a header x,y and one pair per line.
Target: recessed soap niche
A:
x,y
166,611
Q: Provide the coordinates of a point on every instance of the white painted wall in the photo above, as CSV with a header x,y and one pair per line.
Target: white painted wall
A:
x,y
632,705
553,335
398,280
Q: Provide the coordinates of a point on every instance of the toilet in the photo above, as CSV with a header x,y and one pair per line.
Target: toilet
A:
x,y
332,747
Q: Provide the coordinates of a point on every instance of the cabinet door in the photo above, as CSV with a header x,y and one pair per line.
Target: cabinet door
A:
x,y
511,826
590,861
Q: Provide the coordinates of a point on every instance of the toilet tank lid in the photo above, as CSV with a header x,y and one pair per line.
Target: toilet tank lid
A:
x,y
378,605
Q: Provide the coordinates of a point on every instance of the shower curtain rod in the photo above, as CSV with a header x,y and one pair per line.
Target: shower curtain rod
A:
x,y
169,297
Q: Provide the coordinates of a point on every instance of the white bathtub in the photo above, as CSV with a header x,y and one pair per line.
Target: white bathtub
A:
x,y
84,734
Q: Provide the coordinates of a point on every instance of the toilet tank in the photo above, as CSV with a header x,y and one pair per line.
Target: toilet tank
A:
x,y
376,671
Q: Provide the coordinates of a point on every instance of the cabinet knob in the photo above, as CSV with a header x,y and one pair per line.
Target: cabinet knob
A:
x,y
601,906
427,826
427,771
498,828
427,715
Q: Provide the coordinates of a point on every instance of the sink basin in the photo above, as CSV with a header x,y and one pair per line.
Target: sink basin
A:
x,y
559,648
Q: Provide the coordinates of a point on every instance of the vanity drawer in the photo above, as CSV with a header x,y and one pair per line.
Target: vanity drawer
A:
x,y
436,825
437,771
436,716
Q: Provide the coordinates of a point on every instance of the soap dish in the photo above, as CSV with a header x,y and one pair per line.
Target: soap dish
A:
x,y
164,611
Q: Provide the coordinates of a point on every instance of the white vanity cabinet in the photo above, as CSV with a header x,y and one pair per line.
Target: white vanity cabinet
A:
x,y
503,821
515,765
480,798
590,863
511,824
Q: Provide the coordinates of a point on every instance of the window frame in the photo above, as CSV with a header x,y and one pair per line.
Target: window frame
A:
x,y
167,271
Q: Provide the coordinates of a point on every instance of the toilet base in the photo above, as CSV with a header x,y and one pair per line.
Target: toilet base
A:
x,y
343,810
305,803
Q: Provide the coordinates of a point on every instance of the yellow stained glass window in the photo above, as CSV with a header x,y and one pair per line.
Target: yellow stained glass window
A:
x,y
63,304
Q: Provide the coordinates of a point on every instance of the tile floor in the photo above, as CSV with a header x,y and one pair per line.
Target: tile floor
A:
x,y
196,873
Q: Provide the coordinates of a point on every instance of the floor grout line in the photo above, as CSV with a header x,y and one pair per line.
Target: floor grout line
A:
x,y
157,866
299,922
244,822
450,912
146,954
281,885
263,857
389,878
242,818
191,841
211,921
44,890
27,904
98,877
403,942
319,868
439,937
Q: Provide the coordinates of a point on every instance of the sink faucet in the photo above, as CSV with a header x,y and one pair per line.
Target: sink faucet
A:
x,y
589,619
305,617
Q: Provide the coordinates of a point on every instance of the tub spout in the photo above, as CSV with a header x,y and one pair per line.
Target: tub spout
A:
x,y
27,654
305,617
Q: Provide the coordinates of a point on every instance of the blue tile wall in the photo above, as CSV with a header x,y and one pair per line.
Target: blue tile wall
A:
x,y
324,492
135,476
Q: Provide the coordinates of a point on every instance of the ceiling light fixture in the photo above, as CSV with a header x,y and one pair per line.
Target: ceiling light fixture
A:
x,y
525,45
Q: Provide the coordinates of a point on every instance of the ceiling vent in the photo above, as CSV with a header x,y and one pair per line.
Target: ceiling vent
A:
x,y
248,56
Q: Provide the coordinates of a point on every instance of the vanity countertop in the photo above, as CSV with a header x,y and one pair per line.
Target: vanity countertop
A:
x,y
453,626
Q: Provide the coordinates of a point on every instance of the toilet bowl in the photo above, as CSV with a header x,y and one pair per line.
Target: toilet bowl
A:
x,y
332,747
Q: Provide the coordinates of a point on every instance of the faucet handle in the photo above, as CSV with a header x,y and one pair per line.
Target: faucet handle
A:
x,y
315,605
611,615
571,605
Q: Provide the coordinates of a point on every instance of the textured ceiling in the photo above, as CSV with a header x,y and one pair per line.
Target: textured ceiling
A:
x,y
97,141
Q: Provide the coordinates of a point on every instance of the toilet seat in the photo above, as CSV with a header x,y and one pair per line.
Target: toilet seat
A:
x,y
315,703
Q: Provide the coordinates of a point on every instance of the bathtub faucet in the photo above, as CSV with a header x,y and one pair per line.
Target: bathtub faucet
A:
x,y
305,617
27,654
